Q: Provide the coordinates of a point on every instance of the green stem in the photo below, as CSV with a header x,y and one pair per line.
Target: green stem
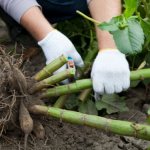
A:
x,y
68,73
140,74
67,89
50,68
146,8
92,52
88,61
84,95
87,83
87,17
61,101
123,128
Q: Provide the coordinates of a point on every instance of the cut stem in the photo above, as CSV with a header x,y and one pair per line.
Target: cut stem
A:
x,y
68,73
87,83
123,128
92,51
50,68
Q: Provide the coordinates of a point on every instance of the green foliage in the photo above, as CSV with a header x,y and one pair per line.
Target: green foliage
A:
x,y
112,103
72,102
81,32
146,82
126,29
112,25
130,7
134,83
88,107
129,31
148,117
130,39
146,26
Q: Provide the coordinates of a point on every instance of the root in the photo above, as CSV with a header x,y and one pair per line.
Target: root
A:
x,y
26,122
38,129
15,100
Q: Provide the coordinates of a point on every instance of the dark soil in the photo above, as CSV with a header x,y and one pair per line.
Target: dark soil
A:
x,y
65,136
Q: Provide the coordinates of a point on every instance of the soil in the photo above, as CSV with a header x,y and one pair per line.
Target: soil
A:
x,y
65,136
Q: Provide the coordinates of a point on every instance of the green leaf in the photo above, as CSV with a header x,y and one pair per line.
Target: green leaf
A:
x,y
145,25
108,26
72,102
148,112
130,7
147,59
88,107
119,22
127,33
148,117
112,103
130,39
134,84
146,82
112,25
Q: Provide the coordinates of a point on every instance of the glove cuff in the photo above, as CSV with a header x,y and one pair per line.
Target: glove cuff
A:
x,y
110,51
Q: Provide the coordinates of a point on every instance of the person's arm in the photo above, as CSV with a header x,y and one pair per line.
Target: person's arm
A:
x,y
35,22
104,10
110,71
52,42
26,13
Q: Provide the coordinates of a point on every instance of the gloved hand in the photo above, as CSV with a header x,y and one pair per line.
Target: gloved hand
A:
x,y
110,73
56,44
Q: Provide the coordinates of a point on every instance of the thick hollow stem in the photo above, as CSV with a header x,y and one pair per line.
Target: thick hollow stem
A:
x,y
92,51
140,74
124,128
68,73
80,85
67,89
50,68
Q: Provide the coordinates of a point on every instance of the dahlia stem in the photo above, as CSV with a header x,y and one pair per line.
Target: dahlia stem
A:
x,y
119,127
84,95
92,51
52,80
50,68
140,74
67,89
87,83
87,63
87,17
61,101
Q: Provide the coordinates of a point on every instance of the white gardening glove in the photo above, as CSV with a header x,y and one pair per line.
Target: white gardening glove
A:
x,y
55,44
110,73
